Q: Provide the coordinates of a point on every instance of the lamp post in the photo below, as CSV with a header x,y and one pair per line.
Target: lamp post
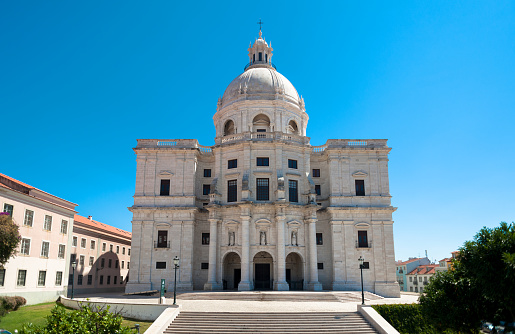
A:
x,y
175,266
74,265
361,260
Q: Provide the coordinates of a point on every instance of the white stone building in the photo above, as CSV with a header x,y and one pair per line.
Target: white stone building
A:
x,y
262,208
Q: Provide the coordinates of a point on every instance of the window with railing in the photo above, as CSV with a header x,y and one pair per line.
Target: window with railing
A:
x,y
232,191
162,239
293,191
262,190
362,239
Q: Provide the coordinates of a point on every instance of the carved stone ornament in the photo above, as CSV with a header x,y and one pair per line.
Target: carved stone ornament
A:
x,y
165,173
359,173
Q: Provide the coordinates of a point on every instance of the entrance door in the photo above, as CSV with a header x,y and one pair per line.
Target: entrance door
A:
x,y
237,278
262,272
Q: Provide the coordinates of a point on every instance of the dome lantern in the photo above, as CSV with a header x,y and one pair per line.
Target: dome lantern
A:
x,y
260,54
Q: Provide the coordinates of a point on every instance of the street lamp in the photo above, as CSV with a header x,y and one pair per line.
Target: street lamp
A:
x,y
361,260
175,266
74,265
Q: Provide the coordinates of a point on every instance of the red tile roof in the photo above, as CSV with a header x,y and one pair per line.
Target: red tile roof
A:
x,y
426,269
16,181
96,225
409,261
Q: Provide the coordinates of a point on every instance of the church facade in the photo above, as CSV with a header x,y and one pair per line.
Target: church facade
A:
x,y
262,208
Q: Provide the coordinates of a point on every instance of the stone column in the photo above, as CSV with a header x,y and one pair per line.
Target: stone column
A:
x,y
281,284
185,271
245,283
212,284
313,284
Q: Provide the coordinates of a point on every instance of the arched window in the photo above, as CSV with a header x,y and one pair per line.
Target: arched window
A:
x,y
229,128
261,123
266,58
292,127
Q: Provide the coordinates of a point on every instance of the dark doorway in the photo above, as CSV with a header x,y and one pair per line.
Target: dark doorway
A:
x,y
288,275
262,274
237,278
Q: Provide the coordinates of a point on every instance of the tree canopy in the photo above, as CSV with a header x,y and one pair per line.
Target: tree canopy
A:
x,y
9,237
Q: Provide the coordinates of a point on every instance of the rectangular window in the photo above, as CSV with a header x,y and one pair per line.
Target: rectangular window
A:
x,y
74,241
47,226
206,188
22,275
232,191
320,266
109,279
121,279
64,226
90,279
123,264
293,192
117,249
207,172
81,260
320,240
263,162
83,243
41,278
110,248
128,267
45,246
318,190
366,265
360,187
262,190
2,276
316,172
101,279
104,247
25,246
114,279
92,244
232,164
102,263
73,257
160,265
29,218
123,250
91,261
59,278
292,163
411,279
162,239
204,265
117,263
205,238
61,252
110,263
165,188
79,279
362,239
129,252
9,209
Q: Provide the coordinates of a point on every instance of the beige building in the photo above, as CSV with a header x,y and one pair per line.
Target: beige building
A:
x,y
262,208
38,271
102,255
418,278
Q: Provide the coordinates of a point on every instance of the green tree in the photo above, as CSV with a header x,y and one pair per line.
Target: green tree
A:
x,y
480,285
9,237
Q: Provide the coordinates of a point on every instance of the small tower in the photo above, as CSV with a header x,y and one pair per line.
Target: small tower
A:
x,y
260,53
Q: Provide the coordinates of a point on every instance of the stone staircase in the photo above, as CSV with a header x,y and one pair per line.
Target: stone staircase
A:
x,y
269,323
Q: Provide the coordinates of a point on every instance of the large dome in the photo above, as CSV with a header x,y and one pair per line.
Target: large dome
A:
x,y
260,83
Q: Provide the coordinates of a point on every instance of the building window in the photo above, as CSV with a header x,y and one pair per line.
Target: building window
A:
x,y
47,226
123,264
59,278
232,164
103,247
83,243
79,279
2,276
162,239
117,263
29,218
416,289
318,191
101,279
91,261
362,239
232,189
260,56
411,289
129,252
366,265
61,252
109,279
128,267
90,279
9,209
292,163
22,275
360,187
420,278
25,246
110,263
121,279
117,249
165,188
64,226
263,162
293,192
207,172
73,257
110,248
114,279
320,239
411,279
45,246
316,172
205,238
81,260
160,265
320,266
74,241
206,188
92,244
123,250
263,190
204,265
102,263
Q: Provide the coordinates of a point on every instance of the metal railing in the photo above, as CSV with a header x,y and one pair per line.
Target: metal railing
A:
x,y
363,245
161,244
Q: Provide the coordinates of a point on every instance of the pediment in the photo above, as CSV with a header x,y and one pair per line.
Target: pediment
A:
x,y
362,224
165,173
294,224
163,224
359,173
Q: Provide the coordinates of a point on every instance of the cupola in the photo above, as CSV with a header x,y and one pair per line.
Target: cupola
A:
x,y
260,53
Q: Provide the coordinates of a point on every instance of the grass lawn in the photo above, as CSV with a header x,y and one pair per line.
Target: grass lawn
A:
x,y
37,315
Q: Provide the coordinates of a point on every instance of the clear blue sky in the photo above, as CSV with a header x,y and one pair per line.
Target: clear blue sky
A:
x,y
81,81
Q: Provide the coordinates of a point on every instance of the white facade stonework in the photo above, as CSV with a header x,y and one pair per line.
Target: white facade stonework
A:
x,y
277,232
